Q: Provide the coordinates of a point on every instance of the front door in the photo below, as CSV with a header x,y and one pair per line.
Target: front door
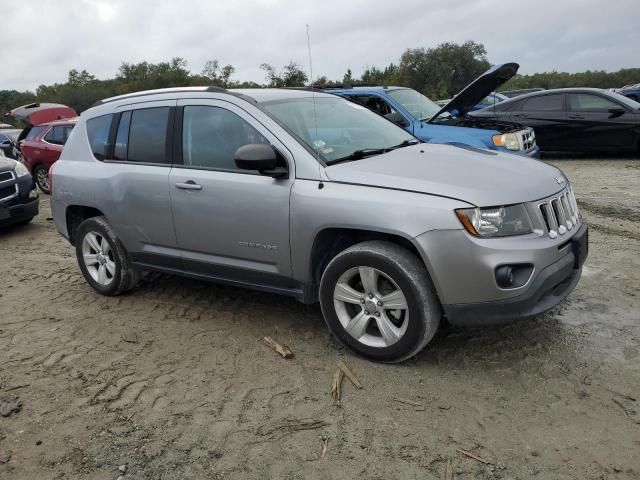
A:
x,y
230,223
595,127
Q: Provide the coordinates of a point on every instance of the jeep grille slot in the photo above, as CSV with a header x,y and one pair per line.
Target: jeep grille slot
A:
x,y
560,213
6,177
527,139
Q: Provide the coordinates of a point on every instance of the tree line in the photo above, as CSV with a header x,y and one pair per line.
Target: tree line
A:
x,y
438,72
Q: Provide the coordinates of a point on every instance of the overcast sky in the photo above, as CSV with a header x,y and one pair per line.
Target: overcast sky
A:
x,y
42,40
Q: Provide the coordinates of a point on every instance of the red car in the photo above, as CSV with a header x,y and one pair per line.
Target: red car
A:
x,y
42,147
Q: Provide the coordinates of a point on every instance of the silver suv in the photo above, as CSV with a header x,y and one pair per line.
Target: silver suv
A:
x,y
310,195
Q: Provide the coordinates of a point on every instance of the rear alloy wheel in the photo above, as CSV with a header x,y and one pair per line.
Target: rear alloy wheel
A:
x,y
103,259
377,298
42,178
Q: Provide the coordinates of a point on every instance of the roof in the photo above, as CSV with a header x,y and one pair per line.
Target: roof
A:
x,y
62,121
257,95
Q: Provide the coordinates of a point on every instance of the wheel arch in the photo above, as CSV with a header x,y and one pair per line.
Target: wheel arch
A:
x,y
75,215
330,241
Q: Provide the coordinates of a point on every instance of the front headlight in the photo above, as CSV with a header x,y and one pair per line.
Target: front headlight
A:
x,y
21,170
507,140
496,222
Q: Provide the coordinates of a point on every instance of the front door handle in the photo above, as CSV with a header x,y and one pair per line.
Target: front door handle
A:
x,y
188,185
576,117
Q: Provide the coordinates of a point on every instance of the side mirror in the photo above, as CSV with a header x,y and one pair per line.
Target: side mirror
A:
x,y
616,112
396,118
260,157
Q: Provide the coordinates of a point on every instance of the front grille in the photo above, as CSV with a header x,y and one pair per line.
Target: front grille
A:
x,y
560,213
527,139
6,176
8,192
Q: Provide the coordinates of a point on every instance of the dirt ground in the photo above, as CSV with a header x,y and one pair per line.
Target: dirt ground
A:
x,y
172,381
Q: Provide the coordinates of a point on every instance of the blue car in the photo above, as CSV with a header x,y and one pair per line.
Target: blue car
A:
x,y
450,124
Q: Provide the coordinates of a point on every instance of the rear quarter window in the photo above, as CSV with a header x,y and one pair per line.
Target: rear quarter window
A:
x,y
98,135
34,132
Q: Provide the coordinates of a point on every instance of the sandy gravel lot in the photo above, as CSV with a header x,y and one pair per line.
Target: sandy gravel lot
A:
x,y
172,382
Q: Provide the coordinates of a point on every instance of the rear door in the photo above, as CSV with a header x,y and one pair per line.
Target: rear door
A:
x,y
136,149
230,223
547,115
595,128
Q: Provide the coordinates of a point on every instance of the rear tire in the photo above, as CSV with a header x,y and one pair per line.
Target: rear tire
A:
x,y
377,299
102,258
41,174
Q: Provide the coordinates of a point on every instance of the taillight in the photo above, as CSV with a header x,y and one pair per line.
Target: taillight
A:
x,y
50,175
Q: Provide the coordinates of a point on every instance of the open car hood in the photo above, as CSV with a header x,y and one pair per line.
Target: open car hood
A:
x,y
37,113
482,86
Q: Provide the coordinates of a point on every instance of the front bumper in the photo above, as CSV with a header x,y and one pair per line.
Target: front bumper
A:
x,y
549,287
18,212
19,207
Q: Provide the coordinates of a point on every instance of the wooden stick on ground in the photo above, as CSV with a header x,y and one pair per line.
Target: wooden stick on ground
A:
x,y
408,402
475,457
278,347
337,385
349,374
325,446
448,470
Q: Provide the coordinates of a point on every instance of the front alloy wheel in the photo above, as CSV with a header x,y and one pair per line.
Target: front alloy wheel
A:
x,y
378,299
371,307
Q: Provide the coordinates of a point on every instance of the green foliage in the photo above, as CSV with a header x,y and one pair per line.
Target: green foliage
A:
x,y
442,71
594,79
291,76
438,72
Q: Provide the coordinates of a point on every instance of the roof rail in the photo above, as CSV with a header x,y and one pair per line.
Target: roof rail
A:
x,y
212,89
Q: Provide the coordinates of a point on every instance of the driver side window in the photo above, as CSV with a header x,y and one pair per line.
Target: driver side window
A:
x,y
211,136
582,102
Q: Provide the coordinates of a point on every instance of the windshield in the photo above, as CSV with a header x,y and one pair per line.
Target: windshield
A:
x,y
419,106
335,127
626,100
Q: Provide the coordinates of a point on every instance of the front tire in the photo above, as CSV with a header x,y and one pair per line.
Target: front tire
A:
x,y
103,259
41,174
377,299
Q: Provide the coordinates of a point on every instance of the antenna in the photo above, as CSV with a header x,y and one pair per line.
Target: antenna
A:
x,y
315,115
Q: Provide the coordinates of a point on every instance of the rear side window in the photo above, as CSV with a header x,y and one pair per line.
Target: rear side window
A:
x,y
122,137
544,103
98,134
147,141
34,132
58,135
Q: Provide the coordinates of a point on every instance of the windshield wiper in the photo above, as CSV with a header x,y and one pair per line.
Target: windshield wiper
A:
x,y
367,152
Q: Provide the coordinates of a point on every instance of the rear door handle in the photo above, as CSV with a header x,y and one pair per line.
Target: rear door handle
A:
x,y
576,117
188,185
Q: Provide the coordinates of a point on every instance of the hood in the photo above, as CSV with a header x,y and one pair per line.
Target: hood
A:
x,y
6,164
37,113
482,86
479,177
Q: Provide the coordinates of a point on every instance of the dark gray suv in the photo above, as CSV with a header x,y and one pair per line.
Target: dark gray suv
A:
x,y
310,195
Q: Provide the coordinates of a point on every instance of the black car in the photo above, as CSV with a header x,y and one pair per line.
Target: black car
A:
x,y
522,91
18,193
574,119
